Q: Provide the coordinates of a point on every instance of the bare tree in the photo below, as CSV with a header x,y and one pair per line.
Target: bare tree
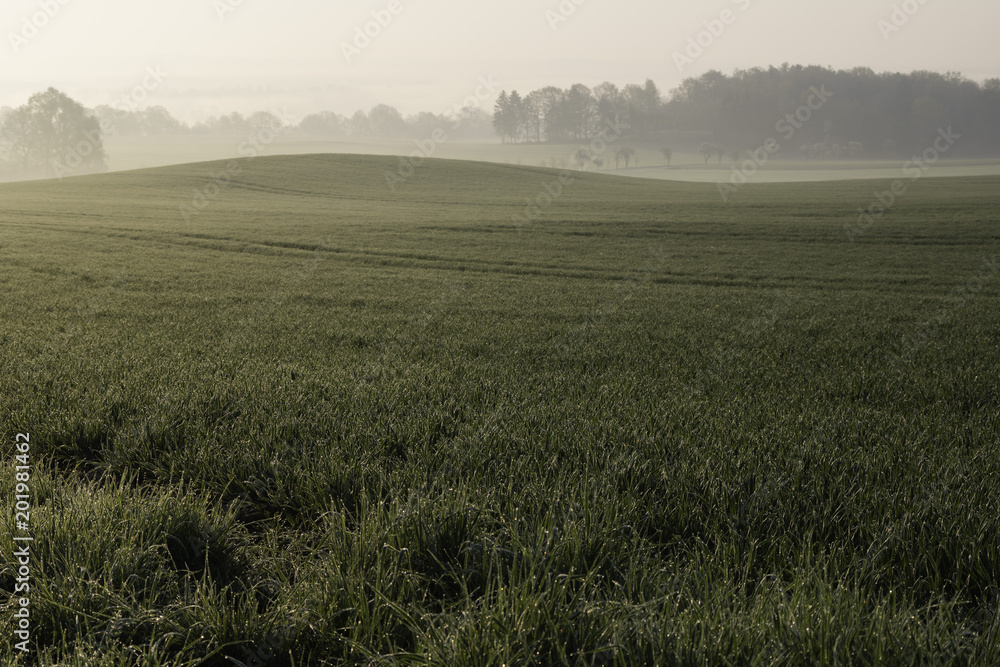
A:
x,y
707,150
625,153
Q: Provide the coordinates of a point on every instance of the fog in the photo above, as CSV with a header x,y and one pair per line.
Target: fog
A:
x,y
204,59
245,55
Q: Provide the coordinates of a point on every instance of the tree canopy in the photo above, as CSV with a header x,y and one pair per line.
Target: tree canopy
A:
x,y
51,135
858,111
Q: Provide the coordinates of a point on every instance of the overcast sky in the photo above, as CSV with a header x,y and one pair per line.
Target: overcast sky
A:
x,y
243,55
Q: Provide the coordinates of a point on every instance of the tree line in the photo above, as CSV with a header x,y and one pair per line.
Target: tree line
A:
x,y
52,134
578,113
863,114
380,122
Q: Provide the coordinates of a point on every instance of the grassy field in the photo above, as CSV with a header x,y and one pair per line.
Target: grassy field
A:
x,y
686,165
291,417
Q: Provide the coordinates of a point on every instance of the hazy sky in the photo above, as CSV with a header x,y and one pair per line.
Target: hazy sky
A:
x,y
224,55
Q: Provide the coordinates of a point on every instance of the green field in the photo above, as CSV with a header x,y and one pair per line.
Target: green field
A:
x,y
135,152
320,423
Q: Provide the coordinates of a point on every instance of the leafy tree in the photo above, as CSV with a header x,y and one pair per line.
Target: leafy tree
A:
x,y
51,135
260,120
644,105
610,103
424,124
512,116
359,126
324,123
518,116
118,122
233,123
386,122
473,122
551,105
502,116
535,114
17,139
157,120
581,111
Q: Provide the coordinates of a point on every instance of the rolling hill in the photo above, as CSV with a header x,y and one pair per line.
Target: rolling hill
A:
x,y
280,410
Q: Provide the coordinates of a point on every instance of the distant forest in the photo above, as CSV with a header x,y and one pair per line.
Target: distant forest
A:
x,y
812,111
879,115
382,121
819,111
